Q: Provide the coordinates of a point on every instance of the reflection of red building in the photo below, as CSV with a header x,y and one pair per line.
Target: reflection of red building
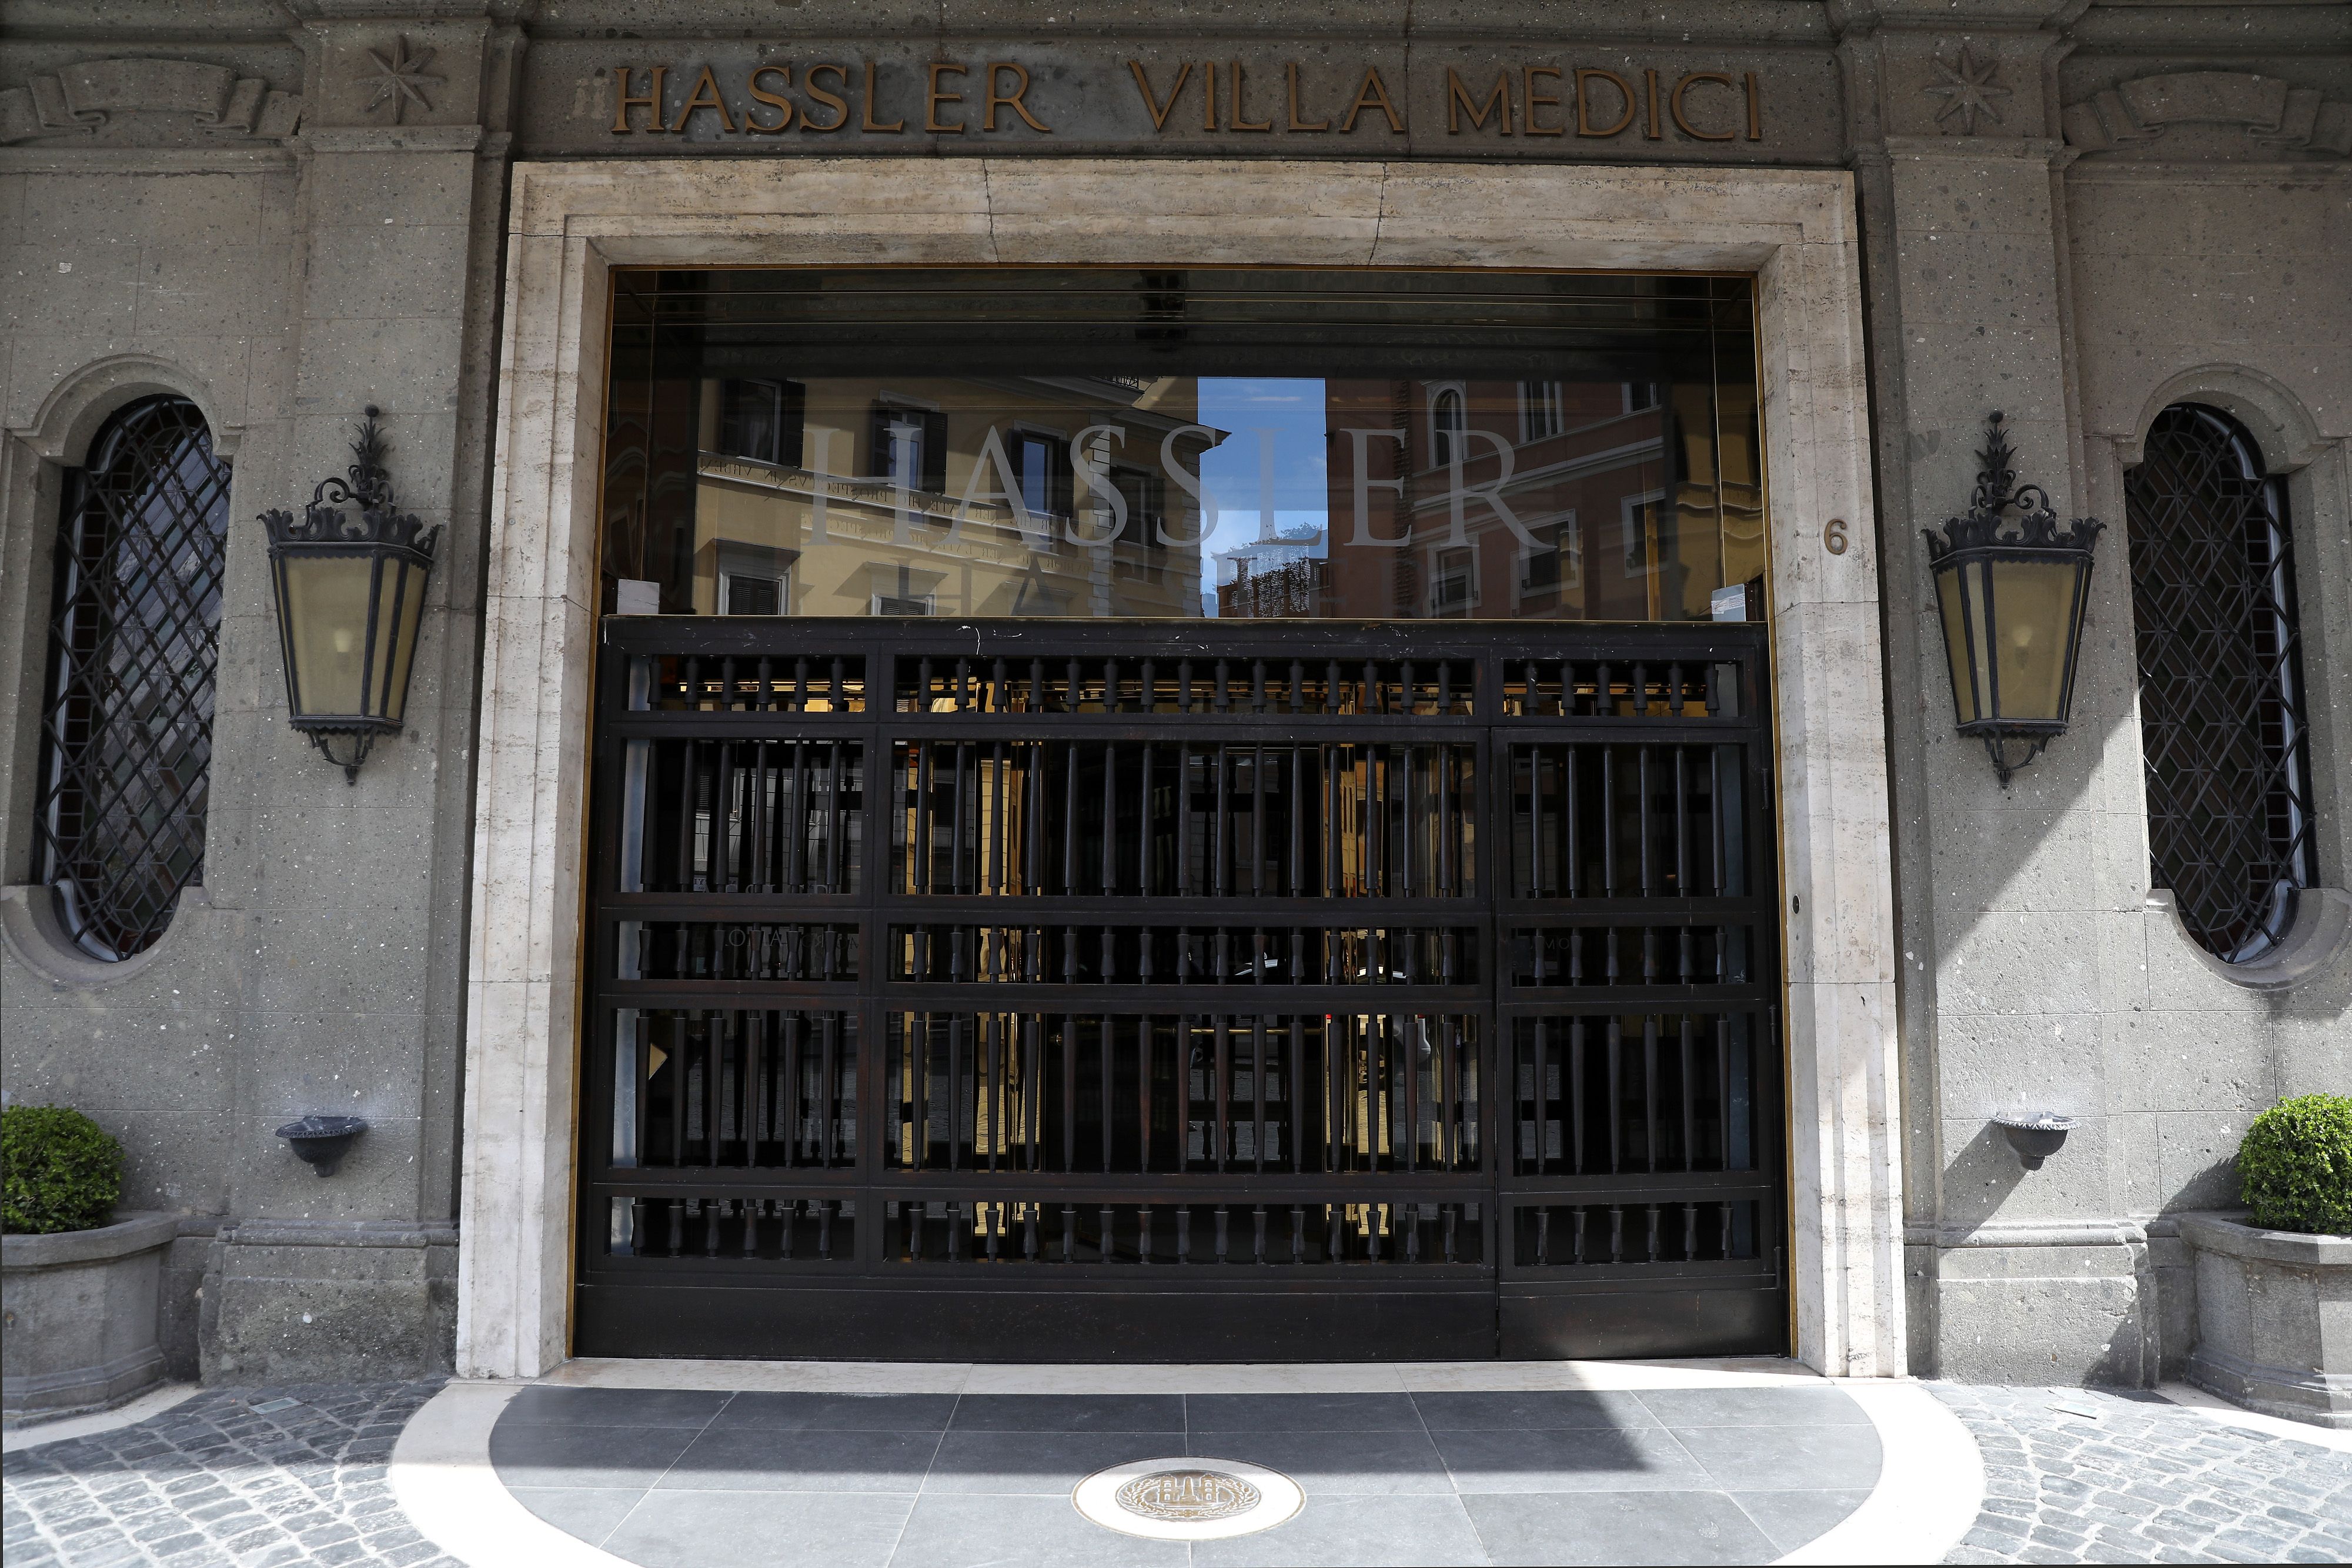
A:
x,y
1587,500
1294,590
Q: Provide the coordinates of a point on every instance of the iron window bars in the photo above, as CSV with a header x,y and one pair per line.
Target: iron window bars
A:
x,y
134,633
2221,683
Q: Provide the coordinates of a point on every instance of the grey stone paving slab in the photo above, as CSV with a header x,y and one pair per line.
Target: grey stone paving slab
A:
x,y
553,1456
1511,1411
838,1412
749,1529
750,1458
1780,1406
1301,1412
1784,1458
1562,1459
1038,1463
1034,1531
1617,1527
1790,1519
1335,1463
1070,1413
302,1484
588,1512
2088,1476
1358,1532
613,1407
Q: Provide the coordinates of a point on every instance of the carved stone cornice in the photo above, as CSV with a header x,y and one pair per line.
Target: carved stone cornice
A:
x,y
1970,149
394,139
1861,18
79,100
2276,116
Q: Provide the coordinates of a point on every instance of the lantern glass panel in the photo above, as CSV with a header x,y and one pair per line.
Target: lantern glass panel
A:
x,y
2032,612
1971,688
401,606
326,630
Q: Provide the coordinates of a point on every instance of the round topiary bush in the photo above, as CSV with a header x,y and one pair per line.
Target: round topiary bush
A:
x,y
2296,1165
60,1169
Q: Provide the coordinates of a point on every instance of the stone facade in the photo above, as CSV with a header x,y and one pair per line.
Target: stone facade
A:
x,y
2077,213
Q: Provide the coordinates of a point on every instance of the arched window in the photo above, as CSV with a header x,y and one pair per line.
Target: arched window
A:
x,y
1445,427
127,712
2220,681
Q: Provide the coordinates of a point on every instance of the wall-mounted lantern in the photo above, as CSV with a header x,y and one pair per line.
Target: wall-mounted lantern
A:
x,y
2012,609
350,597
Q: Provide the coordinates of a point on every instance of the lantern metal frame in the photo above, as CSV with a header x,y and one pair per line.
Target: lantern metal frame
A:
x,y
381,533
1968,549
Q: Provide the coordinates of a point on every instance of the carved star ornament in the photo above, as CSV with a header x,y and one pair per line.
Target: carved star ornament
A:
x,y
1968,89
399,78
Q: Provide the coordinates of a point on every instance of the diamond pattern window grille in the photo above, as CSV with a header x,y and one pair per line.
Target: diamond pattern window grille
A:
x,y
2220,688
134,635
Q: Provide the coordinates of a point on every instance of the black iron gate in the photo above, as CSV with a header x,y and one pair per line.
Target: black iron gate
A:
x,y
1036,990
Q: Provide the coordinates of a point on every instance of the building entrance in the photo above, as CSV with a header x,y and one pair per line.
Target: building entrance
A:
x,y
1190,814
1229,990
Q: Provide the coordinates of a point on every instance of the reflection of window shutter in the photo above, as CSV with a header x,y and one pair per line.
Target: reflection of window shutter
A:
x,y
790,421
931,439
730,418
1043,462
935,451
1447,422
761,420
743,419
1142,490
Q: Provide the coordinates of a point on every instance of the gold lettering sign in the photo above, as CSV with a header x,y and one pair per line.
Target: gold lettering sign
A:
x,y
956,96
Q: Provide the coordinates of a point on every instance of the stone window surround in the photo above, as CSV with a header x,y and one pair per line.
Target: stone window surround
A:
x,y
33,461
571,223
2293,449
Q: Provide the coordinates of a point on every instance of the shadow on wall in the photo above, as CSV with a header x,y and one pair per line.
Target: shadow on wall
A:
x,y
2056,987
1980,1177
2089,1309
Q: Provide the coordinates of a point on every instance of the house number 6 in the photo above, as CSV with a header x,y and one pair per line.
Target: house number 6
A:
x,y
1834,537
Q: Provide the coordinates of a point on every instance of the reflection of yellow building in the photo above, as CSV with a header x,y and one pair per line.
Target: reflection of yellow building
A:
x,y
936,495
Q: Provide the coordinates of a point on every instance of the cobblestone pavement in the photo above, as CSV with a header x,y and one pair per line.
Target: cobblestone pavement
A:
x,y
242,1477
264,1478
2084,1476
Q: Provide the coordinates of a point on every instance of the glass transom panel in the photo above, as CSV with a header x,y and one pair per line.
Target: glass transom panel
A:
x,y
1196,444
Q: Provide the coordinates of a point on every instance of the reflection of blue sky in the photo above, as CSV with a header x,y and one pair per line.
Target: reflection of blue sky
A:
x,y
1273,461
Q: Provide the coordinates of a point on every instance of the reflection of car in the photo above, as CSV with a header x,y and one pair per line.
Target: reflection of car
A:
x,y
1246,970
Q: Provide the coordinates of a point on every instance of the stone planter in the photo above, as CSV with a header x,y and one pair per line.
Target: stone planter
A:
x,y
2273,1319
80,1316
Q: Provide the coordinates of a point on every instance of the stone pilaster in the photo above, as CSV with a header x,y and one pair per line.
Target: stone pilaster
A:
x,y
359,909
2004,994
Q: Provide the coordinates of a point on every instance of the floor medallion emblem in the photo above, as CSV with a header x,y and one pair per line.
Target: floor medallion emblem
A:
x,y
1188,1499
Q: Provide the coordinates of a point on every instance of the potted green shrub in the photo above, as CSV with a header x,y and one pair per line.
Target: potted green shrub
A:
x,y
2275,1284
80,1282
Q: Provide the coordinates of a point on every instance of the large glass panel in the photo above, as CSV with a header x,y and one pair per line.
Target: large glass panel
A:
x,y
1273,442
